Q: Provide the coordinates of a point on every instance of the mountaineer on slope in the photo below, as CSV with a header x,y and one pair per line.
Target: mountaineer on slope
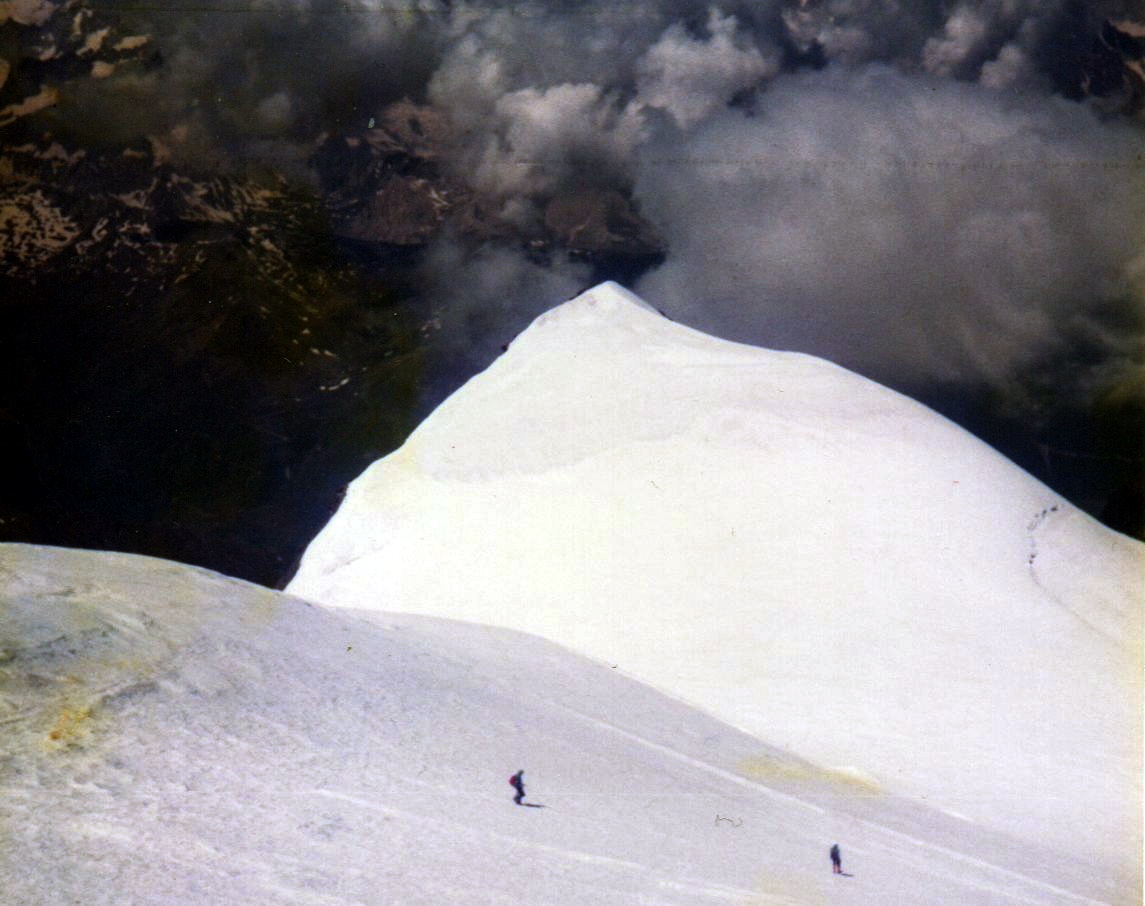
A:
x,y
517,781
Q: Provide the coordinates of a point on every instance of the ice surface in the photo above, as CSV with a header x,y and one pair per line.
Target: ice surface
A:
x,y
799,551
170,736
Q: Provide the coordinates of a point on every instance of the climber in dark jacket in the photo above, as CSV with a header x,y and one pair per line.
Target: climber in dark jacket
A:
x,y
518,782
836,860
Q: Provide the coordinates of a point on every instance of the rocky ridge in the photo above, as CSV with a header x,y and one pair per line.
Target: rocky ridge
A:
x,y
389,184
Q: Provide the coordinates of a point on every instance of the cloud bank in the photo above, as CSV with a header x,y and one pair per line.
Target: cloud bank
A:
x,y
911,228
905,191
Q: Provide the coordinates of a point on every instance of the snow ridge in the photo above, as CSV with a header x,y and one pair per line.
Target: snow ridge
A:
x,y
277,752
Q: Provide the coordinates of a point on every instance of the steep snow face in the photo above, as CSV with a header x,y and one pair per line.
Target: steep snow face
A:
x,y
173,736
804,553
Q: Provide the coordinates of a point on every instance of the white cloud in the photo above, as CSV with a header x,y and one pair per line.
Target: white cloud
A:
x,y
908,228
545,133
965,31
689,77
468,83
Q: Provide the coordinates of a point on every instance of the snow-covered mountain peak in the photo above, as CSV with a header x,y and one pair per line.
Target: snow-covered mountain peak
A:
x,y
800,551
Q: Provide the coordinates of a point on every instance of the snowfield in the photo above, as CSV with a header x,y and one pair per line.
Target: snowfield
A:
x,y
798,551
172,736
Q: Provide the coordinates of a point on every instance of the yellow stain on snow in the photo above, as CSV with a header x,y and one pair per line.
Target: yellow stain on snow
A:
x,y
73,727
797,888
789,772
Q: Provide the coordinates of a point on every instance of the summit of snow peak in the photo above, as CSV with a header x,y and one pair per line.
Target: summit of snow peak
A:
x,y
608,296
605,307
607,316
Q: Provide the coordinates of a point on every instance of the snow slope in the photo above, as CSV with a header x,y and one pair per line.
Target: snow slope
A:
x,y
802,552
171,736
